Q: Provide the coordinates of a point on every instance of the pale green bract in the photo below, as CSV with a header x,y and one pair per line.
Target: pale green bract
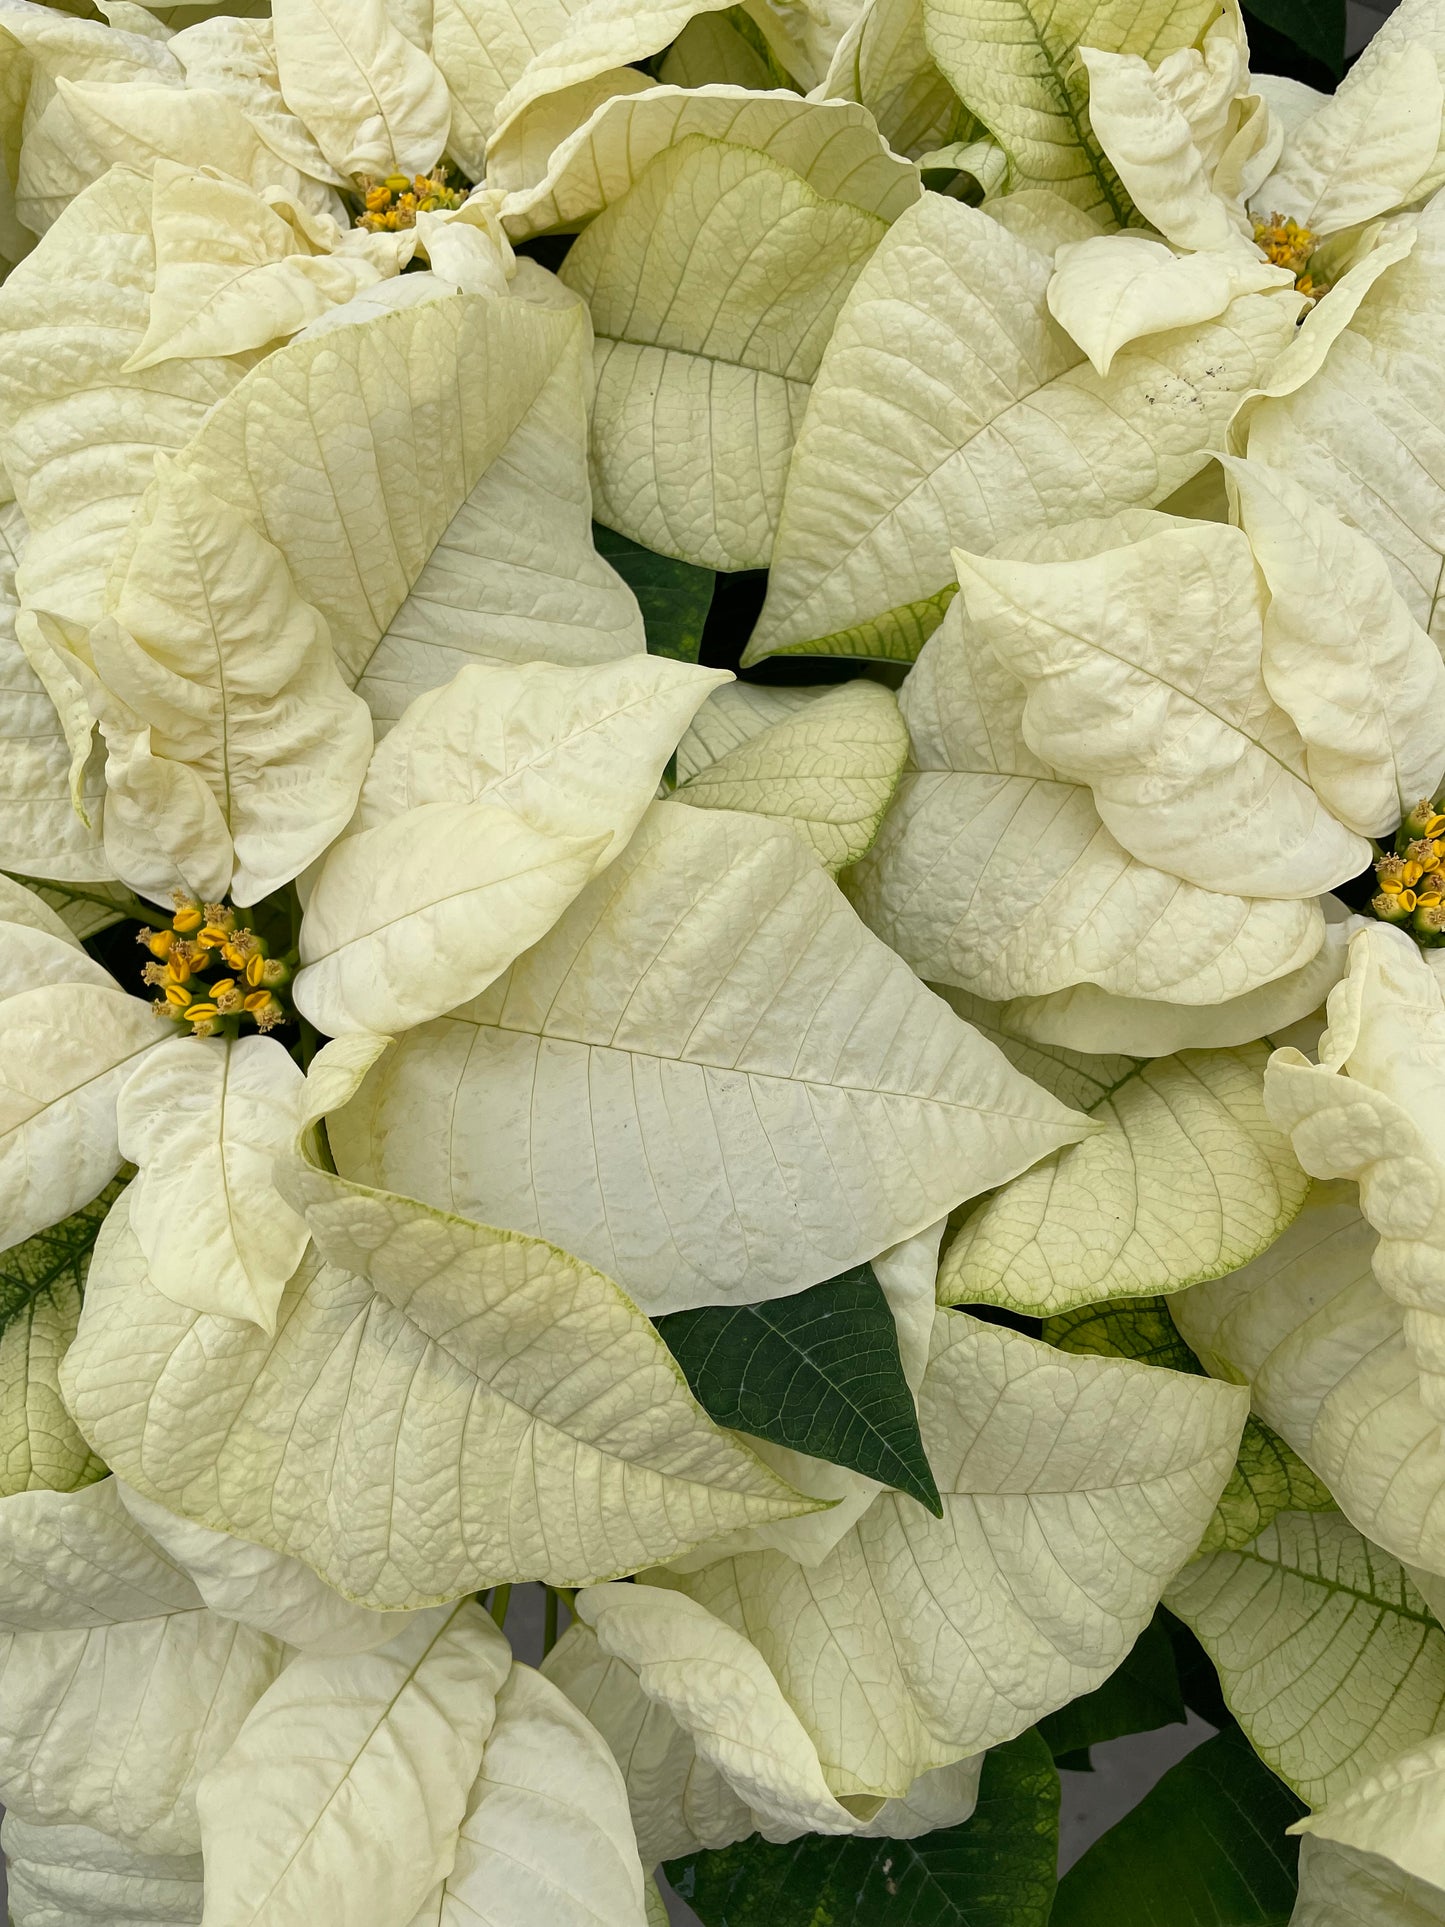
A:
x,y
1329,1657
568,1009
1189,1179
829,767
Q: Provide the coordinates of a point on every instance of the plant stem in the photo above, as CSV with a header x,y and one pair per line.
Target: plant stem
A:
x,y
549,1621
306,1041
498,1603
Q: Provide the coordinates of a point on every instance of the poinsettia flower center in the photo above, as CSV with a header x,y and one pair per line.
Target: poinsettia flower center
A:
x,y
215,973
1286,244
394,203
1412,877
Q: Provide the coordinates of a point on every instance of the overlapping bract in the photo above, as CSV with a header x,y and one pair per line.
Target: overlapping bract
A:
x,y
301,611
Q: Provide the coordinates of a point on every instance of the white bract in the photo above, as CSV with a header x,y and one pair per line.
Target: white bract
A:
x,y
562,1086
1245,185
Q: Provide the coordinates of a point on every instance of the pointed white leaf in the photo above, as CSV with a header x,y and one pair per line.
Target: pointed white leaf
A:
x,y
75,1560
993,874
419,913
1343,656
1073,1490
713,286
597,36
1328,1656
950,408
39,830
78,434
65,1051
1102,632
883,61
450,439
222,52
483,47
1188,1180
55,162
414,1353
205,1120
375,102
232,274
211,645
344,1789
734,714
535,1845
1323,1351
578,751
112,1721
135,124
829,770
1361,434
1365,149
1366,1111
718,1686
709,1078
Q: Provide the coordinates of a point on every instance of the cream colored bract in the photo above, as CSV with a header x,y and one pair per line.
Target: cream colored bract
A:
x,y
722,744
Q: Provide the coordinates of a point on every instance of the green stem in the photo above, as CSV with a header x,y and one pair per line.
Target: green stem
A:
x,y
498,1603
322,1141
549,1621
307,1041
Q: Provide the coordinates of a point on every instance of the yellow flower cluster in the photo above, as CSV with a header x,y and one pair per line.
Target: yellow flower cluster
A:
x,y
395,202
1412,879
1288,245
204,938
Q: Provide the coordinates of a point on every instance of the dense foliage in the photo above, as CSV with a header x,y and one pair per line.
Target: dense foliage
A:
x,y
722,890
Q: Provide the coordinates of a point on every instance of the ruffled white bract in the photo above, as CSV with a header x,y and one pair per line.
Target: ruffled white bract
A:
x,y
577,1059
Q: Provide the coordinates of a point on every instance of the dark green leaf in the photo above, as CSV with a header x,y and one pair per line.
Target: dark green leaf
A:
x,y
819,1372
1198,1681
742,23
674,596
1124,1328
1206,1848
1140,1695
55,1259
996,1870
1315,27
1268,1478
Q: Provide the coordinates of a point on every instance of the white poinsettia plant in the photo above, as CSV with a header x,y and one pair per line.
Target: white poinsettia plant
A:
x,y
518,1035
